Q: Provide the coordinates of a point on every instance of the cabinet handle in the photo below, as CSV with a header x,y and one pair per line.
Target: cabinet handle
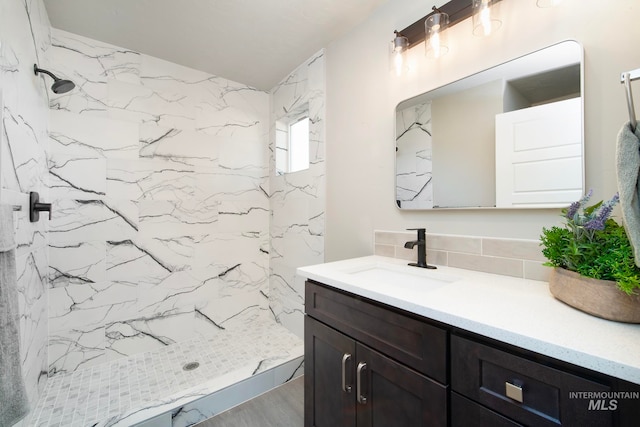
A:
x,y
361,398
346,388
513,391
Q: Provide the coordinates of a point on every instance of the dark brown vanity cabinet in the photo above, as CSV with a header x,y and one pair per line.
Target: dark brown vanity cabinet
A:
x,y
351,379
369,364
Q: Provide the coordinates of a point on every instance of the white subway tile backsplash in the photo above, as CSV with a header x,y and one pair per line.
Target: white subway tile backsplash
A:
x,y
384,250
512,248
396,238
462,244
504,266
536,271
511,257
437,257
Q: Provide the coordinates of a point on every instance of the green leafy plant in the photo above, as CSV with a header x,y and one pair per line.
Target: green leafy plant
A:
x,y
592,244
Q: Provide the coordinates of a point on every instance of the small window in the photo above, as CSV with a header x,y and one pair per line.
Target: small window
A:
x,y
299,145
292,143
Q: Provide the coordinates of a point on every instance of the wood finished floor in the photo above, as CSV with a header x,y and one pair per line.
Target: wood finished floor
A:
x,y
280,407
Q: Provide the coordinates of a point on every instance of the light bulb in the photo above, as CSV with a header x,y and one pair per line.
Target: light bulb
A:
x,y
435,45
485,17
436,34
397,54
398,62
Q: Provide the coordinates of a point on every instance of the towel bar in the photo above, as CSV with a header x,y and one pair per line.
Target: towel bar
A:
x,y
627,78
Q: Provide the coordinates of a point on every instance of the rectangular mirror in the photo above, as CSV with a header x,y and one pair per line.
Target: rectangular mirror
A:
x,y
508,137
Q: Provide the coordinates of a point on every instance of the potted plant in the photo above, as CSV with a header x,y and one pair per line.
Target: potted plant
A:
x,y
594,266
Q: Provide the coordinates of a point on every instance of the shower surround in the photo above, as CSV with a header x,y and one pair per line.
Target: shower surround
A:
x,y
24,41
168,232
297,202
159,180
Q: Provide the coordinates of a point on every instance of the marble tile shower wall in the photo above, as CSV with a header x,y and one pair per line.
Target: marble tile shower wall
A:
x,y
298,198
159,180
24,40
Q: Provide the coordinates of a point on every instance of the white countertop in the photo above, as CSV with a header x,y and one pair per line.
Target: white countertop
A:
x,y
516,311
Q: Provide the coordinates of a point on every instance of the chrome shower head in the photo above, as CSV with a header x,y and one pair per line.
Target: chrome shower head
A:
x,y
59,85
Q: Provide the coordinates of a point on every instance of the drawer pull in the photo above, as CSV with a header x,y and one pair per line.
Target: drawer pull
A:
x,y
346,388
361,398
513,391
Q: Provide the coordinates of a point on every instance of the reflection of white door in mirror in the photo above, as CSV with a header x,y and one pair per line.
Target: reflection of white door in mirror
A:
x,y
539,155
446,150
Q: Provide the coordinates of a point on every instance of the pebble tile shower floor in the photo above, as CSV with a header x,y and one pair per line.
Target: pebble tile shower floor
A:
x,y
103,393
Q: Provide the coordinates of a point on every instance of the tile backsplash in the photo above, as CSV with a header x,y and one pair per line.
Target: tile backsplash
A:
x,y
510,257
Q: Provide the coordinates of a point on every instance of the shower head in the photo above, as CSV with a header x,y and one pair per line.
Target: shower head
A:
x,y
59,85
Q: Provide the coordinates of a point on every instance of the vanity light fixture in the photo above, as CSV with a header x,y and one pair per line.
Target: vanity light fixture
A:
x,y
456,11
398,54
436,44
486,18
548,3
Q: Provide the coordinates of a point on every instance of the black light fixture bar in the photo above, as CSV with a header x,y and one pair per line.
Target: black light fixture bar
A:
x,y
458,10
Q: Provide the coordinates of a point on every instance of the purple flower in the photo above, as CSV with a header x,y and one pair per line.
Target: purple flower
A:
x,y
615,199
595,224
607,207
573,208
602,214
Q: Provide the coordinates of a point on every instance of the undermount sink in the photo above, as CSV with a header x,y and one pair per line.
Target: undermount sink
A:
x,y
403,276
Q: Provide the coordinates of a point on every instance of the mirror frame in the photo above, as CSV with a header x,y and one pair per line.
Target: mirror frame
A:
x,y
582,133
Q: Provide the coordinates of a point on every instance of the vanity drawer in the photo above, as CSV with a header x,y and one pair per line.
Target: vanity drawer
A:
x,y
415,343
521,389
465,412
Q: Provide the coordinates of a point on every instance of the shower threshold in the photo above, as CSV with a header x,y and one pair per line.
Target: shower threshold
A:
x,y
178,385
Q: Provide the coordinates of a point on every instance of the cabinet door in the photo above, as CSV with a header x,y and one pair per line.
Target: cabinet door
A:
x,y
329,391
413,342
390,394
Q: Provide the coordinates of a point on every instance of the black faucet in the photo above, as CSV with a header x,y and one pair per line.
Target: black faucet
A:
x,y
422,249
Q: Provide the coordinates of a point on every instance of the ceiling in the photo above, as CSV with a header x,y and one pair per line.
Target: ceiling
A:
x,y
255,42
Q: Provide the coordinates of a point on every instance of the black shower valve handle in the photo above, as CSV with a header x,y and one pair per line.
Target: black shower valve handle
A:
x,y
43,207
35,207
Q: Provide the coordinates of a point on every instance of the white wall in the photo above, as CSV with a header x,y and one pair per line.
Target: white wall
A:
x,y
362,95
